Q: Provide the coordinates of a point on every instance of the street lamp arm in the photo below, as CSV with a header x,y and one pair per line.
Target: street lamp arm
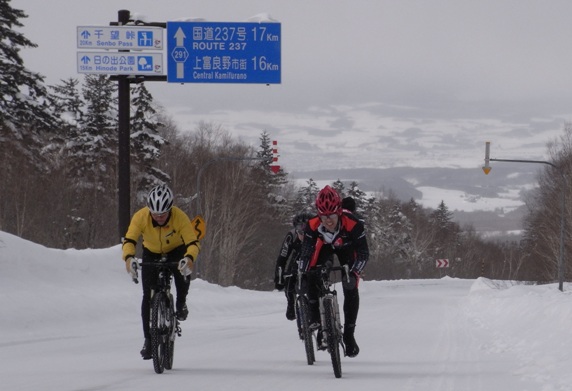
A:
x,y
525,161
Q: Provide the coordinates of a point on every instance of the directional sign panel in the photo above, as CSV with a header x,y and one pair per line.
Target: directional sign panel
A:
x,y
120,63
442,263
228,52
120,37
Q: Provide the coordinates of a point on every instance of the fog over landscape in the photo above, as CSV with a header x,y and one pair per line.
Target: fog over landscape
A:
x,y
379,85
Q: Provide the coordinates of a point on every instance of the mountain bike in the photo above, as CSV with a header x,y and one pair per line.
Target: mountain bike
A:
x,y
330,315
331,325
305,331
164,325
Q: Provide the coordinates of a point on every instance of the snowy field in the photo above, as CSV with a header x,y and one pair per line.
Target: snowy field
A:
x,y
454,199
70,321
459,200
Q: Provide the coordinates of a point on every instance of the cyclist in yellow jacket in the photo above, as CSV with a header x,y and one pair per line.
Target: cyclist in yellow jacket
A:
x,y
167,230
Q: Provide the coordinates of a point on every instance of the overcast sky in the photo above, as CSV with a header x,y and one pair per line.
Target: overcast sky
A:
x,y
364,83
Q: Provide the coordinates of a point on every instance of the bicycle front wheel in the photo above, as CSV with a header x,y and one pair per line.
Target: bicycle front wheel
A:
x,y
159,330
303,316
332,334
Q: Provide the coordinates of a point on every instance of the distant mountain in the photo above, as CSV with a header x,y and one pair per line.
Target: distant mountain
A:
x,y
505,181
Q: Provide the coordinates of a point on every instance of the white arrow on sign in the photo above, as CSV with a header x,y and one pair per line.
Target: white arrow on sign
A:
x,y
180,42
442,263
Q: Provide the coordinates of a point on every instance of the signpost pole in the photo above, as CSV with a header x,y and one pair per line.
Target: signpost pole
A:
x,y
123,169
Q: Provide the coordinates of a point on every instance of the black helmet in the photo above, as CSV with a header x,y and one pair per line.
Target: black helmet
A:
x,y
349,203
299,221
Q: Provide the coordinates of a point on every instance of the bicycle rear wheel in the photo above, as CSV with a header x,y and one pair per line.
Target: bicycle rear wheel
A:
x,y
159,330
302,314
333,336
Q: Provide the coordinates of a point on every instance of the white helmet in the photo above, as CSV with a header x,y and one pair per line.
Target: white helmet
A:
x,y
160,199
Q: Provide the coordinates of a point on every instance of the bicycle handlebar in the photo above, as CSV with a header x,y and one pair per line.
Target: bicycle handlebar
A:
x,y
326,268
329,268
158,264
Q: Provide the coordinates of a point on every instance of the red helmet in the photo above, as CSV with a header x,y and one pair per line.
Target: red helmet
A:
x,y
328,202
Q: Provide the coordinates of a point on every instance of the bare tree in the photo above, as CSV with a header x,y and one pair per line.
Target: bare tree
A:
x,y
543,222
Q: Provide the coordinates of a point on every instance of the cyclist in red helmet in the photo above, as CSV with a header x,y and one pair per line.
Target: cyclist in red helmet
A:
x,y
335,231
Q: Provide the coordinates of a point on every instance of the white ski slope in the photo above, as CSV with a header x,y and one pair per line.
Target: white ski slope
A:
x,y
69,321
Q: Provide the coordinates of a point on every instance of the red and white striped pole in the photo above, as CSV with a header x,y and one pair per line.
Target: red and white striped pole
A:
x,y
274,165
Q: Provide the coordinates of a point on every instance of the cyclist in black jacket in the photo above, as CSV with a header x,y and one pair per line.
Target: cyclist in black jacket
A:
x,y
286,263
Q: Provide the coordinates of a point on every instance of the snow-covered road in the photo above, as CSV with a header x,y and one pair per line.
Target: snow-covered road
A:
x,y
70,322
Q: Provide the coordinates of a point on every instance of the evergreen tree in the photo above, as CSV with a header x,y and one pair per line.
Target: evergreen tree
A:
x,y
25,103
272,184
68,101
442,217
445,232
92,162
306,197
359,196
146,142
94,150
339,187
400,232
267,178
69,107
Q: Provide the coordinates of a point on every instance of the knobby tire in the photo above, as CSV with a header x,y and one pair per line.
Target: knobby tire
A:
x,y
332,335
302,312
159,331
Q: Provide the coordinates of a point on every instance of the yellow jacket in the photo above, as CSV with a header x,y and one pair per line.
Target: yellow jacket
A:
x,y
177,231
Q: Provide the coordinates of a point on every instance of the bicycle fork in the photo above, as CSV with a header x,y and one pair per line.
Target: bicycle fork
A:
x,y
175,327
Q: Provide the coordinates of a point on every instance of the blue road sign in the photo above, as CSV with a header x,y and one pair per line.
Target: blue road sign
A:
x,y
120,37
227,52
120,63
